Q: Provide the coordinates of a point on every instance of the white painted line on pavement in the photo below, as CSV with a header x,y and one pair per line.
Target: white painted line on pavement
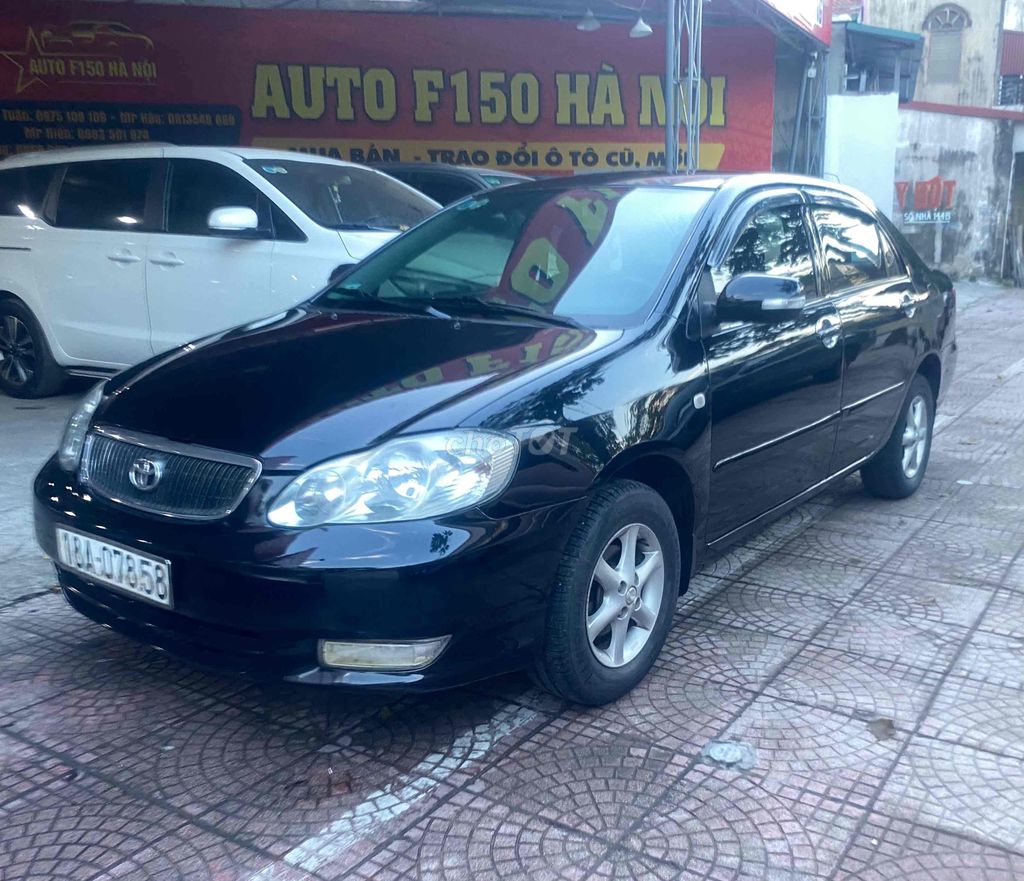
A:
x,y
364,821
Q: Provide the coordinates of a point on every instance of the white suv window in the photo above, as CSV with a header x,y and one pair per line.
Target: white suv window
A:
x,y
22,190
108,194
198,186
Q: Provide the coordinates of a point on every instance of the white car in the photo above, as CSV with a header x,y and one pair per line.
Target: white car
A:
x,y
111,254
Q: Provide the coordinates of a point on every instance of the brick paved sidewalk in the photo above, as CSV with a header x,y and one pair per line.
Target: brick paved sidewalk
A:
x,y
866,656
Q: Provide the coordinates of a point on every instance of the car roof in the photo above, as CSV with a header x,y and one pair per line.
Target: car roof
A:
x,y
447,168
443,167
156,150
735,185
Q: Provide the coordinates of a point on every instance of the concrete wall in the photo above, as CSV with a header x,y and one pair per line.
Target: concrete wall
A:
x,y
1014,15
979,67
954,169
860,143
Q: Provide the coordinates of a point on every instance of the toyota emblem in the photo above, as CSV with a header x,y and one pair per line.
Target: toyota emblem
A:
x,y
145,473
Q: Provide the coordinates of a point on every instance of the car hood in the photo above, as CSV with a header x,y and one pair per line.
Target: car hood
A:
x,y
360,244
307,385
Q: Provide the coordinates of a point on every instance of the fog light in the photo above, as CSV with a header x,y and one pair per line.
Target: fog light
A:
x,y
411,655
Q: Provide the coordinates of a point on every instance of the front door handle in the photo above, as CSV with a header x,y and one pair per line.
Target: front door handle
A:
x,y
167,260
908,305
123,256
828,330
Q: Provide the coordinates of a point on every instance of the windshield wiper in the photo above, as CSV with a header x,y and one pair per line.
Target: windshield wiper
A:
x,y
416,307
472,303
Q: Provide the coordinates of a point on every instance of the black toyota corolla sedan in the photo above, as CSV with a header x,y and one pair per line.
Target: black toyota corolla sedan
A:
x,y
507,438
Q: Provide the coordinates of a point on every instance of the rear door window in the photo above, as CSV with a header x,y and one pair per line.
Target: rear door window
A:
x,y
198,186
22,190
108,194
852,248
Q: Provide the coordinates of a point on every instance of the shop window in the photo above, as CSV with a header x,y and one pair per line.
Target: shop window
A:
x,y
945,27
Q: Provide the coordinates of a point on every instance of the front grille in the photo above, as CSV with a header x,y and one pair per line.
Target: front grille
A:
x,y
194,482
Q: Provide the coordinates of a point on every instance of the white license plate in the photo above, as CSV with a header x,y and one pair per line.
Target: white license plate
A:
x,y
142,576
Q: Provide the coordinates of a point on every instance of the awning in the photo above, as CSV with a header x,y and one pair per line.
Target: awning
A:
x,y
882,57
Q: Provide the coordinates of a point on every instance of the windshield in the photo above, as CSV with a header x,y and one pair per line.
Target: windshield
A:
x,y
594,255
345,197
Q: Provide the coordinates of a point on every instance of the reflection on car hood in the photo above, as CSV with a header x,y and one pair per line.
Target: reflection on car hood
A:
x,y
312,385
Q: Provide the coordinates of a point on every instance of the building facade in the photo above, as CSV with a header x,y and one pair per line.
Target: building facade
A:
x,y
955,192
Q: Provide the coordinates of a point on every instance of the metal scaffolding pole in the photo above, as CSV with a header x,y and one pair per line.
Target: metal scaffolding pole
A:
x,y
693,19
671,86
686,94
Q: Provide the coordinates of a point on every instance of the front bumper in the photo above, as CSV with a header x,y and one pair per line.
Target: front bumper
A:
x,y
253,599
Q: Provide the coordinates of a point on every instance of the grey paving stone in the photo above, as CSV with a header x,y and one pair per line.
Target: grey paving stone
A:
x,y
988,507
718,823
824,578
75,829
583,773
917,597
916,642
958,789
699,649
864,548
768,610
958,554
870,688
472,837
992,658
888,849
978,714
673,712
1005,615
814,753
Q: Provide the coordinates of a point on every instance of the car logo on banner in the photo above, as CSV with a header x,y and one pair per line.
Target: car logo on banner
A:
x,y
145,473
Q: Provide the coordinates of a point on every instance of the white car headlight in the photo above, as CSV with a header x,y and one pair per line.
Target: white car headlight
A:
x,y
69,454
409,478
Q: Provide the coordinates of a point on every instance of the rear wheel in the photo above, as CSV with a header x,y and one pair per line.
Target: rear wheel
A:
x,y
27,369
614,596
898,469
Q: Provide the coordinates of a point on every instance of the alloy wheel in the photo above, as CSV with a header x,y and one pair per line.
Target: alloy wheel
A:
x,y
625,596
17,351
915,437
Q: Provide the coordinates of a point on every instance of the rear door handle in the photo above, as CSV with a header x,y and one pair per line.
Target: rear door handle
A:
x,y
123,256
828,330
167,260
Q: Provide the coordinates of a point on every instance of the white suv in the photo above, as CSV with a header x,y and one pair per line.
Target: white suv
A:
x,y
111,254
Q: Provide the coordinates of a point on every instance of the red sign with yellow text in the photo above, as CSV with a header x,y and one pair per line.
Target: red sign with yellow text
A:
x,y
523,94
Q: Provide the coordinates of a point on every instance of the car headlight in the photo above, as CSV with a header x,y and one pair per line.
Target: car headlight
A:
x,y
410,478
69,454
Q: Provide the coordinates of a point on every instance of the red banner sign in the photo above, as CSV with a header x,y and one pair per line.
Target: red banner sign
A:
x,y
531,95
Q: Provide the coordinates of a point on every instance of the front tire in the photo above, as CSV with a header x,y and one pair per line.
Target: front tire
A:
x,y
27,368
614,595
898,469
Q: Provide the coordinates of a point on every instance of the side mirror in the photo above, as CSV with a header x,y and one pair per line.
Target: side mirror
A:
x,y
756,296
340,272
233,218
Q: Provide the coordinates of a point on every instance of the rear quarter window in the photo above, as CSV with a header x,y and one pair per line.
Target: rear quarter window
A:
x,y
22,190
